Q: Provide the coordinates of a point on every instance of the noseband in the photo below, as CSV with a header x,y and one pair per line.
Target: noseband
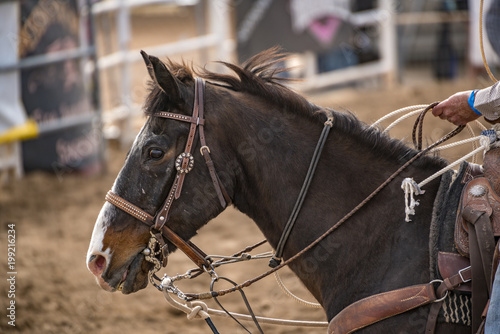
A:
x,y
184,164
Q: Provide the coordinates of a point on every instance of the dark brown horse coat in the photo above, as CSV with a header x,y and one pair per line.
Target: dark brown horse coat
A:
x,y
261,137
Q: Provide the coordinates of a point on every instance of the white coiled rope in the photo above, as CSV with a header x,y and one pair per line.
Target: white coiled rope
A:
x,y
484,145
412,110
412,188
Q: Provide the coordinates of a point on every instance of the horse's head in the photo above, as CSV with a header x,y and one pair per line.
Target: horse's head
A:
x,y
151,171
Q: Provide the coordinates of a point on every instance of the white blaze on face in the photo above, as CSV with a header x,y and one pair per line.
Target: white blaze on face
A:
x,y
107,214
96,243
99,258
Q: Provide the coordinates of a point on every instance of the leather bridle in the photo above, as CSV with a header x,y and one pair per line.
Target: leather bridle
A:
x,y
417,295
184,164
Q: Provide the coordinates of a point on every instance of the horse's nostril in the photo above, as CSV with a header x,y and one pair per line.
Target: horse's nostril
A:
x,y
97,264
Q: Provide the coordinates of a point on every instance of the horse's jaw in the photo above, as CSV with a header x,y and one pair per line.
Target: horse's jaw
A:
x,y
129,278
135,277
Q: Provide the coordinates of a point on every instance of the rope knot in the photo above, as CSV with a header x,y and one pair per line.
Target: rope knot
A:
x,y
411,188
487,139
198,310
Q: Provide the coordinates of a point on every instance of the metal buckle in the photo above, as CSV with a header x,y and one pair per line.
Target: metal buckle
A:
x,y
446,292
460,274
204,148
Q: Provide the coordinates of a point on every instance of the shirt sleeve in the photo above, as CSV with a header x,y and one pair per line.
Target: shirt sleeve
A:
x,y
487,101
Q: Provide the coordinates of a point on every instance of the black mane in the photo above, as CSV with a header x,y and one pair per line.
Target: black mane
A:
x,y
259,76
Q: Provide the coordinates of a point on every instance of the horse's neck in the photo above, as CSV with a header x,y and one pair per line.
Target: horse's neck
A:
x,y
275,162
275,157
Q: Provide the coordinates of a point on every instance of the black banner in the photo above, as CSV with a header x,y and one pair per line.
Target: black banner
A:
x,y
58,91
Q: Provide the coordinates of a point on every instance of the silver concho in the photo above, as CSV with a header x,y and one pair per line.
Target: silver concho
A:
x,y
477,191
179,160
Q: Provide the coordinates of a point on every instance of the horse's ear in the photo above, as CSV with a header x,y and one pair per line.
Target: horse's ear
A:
x,y
162,77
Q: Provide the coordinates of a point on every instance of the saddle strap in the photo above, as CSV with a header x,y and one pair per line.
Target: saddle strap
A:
x,y
482,248
451,283
481,235
370,310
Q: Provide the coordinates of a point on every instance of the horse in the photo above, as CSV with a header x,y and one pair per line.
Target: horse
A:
x,y
261,136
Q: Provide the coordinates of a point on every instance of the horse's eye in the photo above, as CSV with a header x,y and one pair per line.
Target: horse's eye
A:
x,y
155,153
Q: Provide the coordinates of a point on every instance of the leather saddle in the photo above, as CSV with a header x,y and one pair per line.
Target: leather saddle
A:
x,y
476,228
480,193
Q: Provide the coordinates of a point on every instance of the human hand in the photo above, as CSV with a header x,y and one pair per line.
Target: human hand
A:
x,y
456,109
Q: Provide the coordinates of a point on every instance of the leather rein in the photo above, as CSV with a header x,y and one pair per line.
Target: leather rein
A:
x,y
157,251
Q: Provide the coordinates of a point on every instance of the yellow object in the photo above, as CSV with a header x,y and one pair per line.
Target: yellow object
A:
x,y
25,131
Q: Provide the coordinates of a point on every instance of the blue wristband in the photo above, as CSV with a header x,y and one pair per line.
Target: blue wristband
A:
x,y
471,100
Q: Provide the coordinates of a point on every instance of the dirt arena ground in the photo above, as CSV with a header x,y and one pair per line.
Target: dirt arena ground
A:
x,y
54,217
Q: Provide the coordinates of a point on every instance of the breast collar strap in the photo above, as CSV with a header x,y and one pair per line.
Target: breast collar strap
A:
x,y
184,164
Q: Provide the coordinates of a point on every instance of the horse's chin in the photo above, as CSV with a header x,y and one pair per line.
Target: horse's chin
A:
x,y
135,277
131,278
